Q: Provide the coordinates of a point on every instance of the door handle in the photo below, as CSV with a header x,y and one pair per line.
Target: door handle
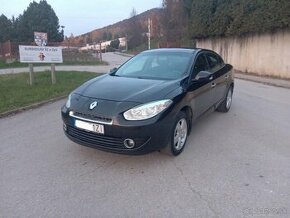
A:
x,y
213,85
226,76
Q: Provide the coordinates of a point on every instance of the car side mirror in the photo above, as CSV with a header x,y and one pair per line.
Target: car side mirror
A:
x,y
202,76
114,70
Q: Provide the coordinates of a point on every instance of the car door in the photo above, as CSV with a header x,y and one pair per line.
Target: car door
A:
x,y
219,82
200,91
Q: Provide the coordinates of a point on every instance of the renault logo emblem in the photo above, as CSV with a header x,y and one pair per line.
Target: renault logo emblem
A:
x,y
93,105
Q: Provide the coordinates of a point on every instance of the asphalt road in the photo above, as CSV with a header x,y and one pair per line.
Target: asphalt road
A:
x,y
235,165
113,59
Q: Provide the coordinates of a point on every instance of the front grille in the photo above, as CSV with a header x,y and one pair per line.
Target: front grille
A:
x,y
93,117
101,140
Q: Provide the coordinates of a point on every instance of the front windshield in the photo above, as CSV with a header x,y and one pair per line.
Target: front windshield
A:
x,y
156,65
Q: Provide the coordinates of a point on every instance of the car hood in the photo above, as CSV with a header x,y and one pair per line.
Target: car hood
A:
x,y
120,89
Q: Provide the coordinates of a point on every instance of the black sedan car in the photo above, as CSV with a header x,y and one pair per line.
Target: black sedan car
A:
x,y
150,102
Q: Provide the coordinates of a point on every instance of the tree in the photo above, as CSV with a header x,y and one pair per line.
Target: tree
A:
x,y
115,44
210,18
116,36
5,28
110,36
39,17
174,19
107,36
133,13
134,31
201,13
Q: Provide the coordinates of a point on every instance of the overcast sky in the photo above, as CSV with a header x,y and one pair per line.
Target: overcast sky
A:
x,y
81,16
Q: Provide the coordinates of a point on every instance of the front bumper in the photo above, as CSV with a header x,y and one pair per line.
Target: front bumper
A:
x,y
151,135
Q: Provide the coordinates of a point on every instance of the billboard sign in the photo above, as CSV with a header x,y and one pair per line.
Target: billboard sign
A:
x,y
40,38
37,54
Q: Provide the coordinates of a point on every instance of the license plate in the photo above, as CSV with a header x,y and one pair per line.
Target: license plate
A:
x,y
92,127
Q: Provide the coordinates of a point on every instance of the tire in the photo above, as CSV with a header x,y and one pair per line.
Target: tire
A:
x,y
178,136
227,102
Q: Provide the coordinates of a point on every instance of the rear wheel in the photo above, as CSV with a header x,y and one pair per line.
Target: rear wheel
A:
x,y
227,102
178,135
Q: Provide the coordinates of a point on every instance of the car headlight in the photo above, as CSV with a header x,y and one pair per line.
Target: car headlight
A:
x,y
148,110
68,102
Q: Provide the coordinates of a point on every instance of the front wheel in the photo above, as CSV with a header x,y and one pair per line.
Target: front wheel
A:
x,y
227,102
178,135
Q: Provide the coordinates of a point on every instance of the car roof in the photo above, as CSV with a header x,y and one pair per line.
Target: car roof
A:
x,y
185,50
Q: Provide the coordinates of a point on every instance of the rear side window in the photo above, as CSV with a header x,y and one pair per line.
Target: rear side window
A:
x,y
214,62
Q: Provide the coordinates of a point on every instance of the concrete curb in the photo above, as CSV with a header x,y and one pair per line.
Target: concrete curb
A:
x,y
85,68
29,107
264,80
123,54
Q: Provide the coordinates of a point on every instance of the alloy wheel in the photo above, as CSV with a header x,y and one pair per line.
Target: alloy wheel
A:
x,y
180,134
229,98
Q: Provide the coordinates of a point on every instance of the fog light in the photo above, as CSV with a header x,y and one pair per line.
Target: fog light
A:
x,y
64,127
129,143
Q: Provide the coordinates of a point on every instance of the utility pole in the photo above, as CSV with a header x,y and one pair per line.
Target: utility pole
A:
x,y
126,42
101,58
149,32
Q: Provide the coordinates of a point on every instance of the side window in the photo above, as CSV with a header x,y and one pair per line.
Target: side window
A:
x,y
200,65
221,61
214,62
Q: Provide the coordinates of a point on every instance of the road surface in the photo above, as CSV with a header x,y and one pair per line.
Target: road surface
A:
x,y
113,59
235,165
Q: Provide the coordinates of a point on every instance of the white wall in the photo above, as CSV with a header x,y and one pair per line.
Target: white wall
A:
x,y
103,45
266,54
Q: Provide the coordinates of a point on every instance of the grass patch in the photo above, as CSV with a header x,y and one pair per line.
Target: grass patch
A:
x,y
17,64
15,92
14,64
